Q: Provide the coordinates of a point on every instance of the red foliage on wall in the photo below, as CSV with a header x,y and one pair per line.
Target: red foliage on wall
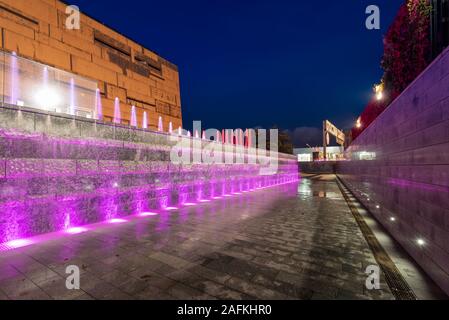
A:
x,y
406,55
406,46
371,112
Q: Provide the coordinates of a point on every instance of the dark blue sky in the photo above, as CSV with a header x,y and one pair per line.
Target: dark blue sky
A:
x,y
253,63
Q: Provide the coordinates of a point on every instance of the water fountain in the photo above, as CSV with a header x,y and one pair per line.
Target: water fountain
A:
x,y
98,104
45,77
170,127
145,120
133,117
160,126
249,139
128,186
14,79
72,96
117,113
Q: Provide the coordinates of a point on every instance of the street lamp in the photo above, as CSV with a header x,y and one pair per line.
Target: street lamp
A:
x,y
358,124
379,89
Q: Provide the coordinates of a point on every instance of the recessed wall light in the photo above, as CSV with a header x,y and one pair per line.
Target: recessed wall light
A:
x,y
420,242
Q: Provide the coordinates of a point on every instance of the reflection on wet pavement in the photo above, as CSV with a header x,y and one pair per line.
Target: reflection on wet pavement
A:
x,y
288,242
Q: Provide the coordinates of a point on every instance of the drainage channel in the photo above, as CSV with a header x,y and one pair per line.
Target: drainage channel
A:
x,y
397,284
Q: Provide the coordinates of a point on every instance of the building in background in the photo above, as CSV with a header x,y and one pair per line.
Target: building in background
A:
x,y
316,154
93,56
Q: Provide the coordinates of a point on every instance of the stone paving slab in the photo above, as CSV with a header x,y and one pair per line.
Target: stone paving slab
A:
x,y
289,242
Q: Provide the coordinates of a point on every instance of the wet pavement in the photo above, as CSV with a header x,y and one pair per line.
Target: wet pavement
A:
x,y
288,242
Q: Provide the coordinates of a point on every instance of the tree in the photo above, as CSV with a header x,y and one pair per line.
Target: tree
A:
x,y
285,143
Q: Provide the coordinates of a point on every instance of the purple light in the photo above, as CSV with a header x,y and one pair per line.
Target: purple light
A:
x,y
117,112
14,79
148,214
160,126
117,195
133,117
72,96
145,120
189,204
15,244
116,221
76,230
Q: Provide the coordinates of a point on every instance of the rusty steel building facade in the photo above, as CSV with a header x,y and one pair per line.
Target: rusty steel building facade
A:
x,y
123,69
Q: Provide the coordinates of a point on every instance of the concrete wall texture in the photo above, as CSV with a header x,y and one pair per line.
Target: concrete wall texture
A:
x,y
122,67
406,184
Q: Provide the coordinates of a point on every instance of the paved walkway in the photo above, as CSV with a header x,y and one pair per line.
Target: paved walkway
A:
x,y
289,242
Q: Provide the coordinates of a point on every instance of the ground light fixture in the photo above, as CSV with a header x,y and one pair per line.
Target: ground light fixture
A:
x,y
116,221
76,230
148,214
421,242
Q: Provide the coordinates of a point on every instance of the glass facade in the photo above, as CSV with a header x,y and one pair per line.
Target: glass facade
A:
x,y
26,83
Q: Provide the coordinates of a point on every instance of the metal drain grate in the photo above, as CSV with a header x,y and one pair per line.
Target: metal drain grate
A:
x,y
397,284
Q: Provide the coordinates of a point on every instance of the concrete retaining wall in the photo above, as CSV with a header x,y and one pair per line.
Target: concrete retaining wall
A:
x,y
406,181
58,172
317,167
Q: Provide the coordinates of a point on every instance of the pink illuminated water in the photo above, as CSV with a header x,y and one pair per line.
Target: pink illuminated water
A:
x,y
145,120
115,221
122,192
45,77
160,126
117,112
133,117
72,96
99,106
22,242
170,127
148,214
14,93
76,230
15,244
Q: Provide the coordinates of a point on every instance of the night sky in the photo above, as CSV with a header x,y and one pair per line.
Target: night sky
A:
x,y
251,63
